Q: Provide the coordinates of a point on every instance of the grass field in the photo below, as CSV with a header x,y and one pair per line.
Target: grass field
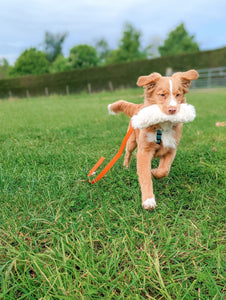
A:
x,y
62,238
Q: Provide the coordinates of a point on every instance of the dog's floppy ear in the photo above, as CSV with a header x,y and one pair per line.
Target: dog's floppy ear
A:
x,y
186,78
149,80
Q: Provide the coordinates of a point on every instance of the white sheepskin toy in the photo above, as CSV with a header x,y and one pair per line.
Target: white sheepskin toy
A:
x,y
152,115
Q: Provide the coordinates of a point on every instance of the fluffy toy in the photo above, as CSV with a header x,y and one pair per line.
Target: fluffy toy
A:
x,y
152,115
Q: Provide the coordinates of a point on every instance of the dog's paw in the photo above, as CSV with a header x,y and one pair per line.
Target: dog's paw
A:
x,y
149,204
159,173
154,173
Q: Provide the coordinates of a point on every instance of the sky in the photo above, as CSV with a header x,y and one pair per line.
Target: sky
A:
x,y
23,23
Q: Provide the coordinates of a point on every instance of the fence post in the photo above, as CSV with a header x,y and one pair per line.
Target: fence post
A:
x,y
10,94
67,90
169,71
27,94
46,92
111,86
89,88
209,79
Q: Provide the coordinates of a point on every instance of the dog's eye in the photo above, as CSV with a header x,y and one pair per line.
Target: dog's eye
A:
x,y
163,95
177,95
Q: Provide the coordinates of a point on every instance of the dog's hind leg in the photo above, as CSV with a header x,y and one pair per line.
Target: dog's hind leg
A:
x,y
130,147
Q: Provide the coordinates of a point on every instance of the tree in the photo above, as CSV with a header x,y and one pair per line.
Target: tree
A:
x,y
129,47
60,64
83,56
53,44
178,42
31,61
102,49
4,68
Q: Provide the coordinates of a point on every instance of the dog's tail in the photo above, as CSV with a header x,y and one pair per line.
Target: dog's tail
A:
x,y
129,109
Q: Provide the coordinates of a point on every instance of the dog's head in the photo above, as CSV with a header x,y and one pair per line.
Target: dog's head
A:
x,y
167,92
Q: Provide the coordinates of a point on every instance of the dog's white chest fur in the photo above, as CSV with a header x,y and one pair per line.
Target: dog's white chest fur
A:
x,y
168,139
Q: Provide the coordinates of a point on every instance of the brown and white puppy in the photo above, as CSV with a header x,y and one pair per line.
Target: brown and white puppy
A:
x,y
168,93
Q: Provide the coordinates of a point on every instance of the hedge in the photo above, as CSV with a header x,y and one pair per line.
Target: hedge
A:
x,y
100,78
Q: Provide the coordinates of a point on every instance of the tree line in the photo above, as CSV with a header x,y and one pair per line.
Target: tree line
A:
x,y
51,60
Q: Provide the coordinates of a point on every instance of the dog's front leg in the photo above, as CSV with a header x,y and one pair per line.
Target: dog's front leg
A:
x,y
144,157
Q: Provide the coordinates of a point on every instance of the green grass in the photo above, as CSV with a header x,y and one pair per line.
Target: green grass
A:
x,y
62,238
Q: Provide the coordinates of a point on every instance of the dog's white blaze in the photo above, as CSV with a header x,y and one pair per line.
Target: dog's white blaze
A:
x,y
173,102
171,88
149,203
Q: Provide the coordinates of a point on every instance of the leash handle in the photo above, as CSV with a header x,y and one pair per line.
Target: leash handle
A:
x,y
96,166
112,162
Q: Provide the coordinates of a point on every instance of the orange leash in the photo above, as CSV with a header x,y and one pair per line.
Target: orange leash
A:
x,y
112,162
